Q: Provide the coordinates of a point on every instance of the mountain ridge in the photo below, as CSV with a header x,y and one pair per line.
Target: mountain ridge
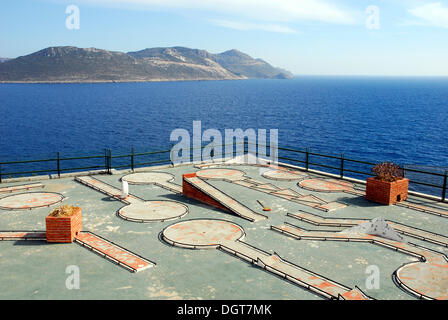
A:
x,y
73,64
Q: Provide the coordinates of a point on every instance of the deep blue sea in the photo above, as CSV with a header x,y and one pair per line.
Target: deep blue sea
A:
x,y
369,118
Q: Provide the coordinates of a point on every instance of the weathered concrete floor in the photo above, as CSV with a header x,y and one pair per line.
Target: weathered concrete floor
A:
x,y
202,274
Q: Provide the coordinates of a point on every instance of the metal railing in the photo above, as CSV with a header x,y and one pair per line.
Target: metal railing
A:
x,y
347,167
336,164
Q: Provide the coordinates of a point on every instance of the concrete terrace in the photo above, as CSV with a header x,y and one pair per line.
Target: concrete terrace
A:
x,y
185,249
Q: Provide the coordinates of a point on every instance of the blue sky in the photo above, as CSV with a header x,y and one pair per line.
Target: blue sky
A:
x,y
307,37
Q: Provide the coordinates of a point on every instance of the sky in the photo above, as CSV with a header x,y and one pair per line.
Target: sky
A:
x,y
306,37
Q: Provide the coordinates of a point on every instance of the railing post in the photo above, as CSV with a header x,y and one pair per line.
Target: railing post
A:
x,y
110,161
59,165
171,154
444,185
106,163
132,159
307,158
342,165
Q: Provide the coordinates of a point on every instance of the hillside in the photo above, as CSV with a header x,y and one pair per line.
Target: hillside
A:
x,y
72,64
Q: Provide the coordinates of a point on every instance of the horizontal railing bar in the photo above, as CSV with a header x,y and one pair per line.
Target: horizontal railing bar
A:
x,y
152,152
27,161
323,165
426,184
325,155
152,162
360,161
82,168
359,172
166,151
288,149
122,166
121,156
55,159
24,172
410,181
81,158
295,160
425,172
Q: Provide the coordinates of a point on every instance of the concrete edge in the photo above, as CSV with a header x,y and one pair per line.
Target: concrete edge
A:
x,y
221,161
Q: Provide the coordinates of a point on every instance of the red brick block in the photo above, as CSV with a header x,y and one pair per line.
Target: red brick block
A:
x,y
63,229
387,192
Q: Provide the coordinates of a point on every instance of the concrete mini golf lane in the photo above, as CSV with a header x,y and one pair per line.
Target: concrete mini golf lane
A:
x,y
221,174
105,248
338,185
153,211
416,233
227,236
284,175
199,189
340,261
138,210
238,177
31,200
23,235
202,233
21,187
326,185
113,252
160,179
427,278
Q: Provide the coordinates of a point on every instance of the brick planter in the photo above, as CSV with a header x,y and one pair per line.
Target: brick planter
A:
x,y
387,192
63,229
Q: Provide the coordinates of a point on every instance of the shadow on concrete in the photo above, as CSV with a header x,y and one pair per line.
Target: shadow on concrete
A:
x,y
359,201
109,199
177,197
32,243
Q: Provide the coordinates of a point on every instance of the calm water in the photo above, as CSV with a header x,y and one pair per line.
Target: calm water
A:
x,y
398,119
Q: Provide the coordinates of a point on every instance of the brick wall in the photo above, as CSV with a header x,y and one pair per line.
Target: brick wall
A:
x,y
63,229
387,192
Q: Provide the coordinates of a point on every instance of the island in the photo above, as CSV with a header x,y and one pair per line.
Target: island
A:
x,y
70,64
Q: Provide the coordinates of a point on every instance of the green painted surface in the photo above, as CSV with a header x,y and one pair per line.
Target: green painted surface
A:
x,y
36,270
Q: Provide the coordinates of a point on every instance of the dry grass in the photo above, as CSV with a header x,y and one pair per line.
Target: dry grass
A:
x,y
388,171
63,211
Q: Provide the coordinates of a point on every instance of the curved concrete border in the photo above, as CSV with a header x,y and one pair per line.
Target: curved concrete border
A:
x,y
283,175
424,285
326,185
131,212
30,202
224,174
202,233
149,177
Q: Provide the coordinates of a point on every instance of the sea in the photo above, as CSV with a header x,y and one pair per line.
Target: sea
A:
x,y
375,119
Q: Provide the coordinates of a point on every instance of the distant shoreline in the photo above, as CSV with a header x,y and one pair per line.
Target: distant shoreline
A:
x,y
229,79
113,81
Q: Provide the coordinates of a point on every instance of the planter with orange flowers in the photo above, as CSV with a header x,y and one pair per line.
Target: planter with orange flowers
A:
x,y
63,224
388,186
